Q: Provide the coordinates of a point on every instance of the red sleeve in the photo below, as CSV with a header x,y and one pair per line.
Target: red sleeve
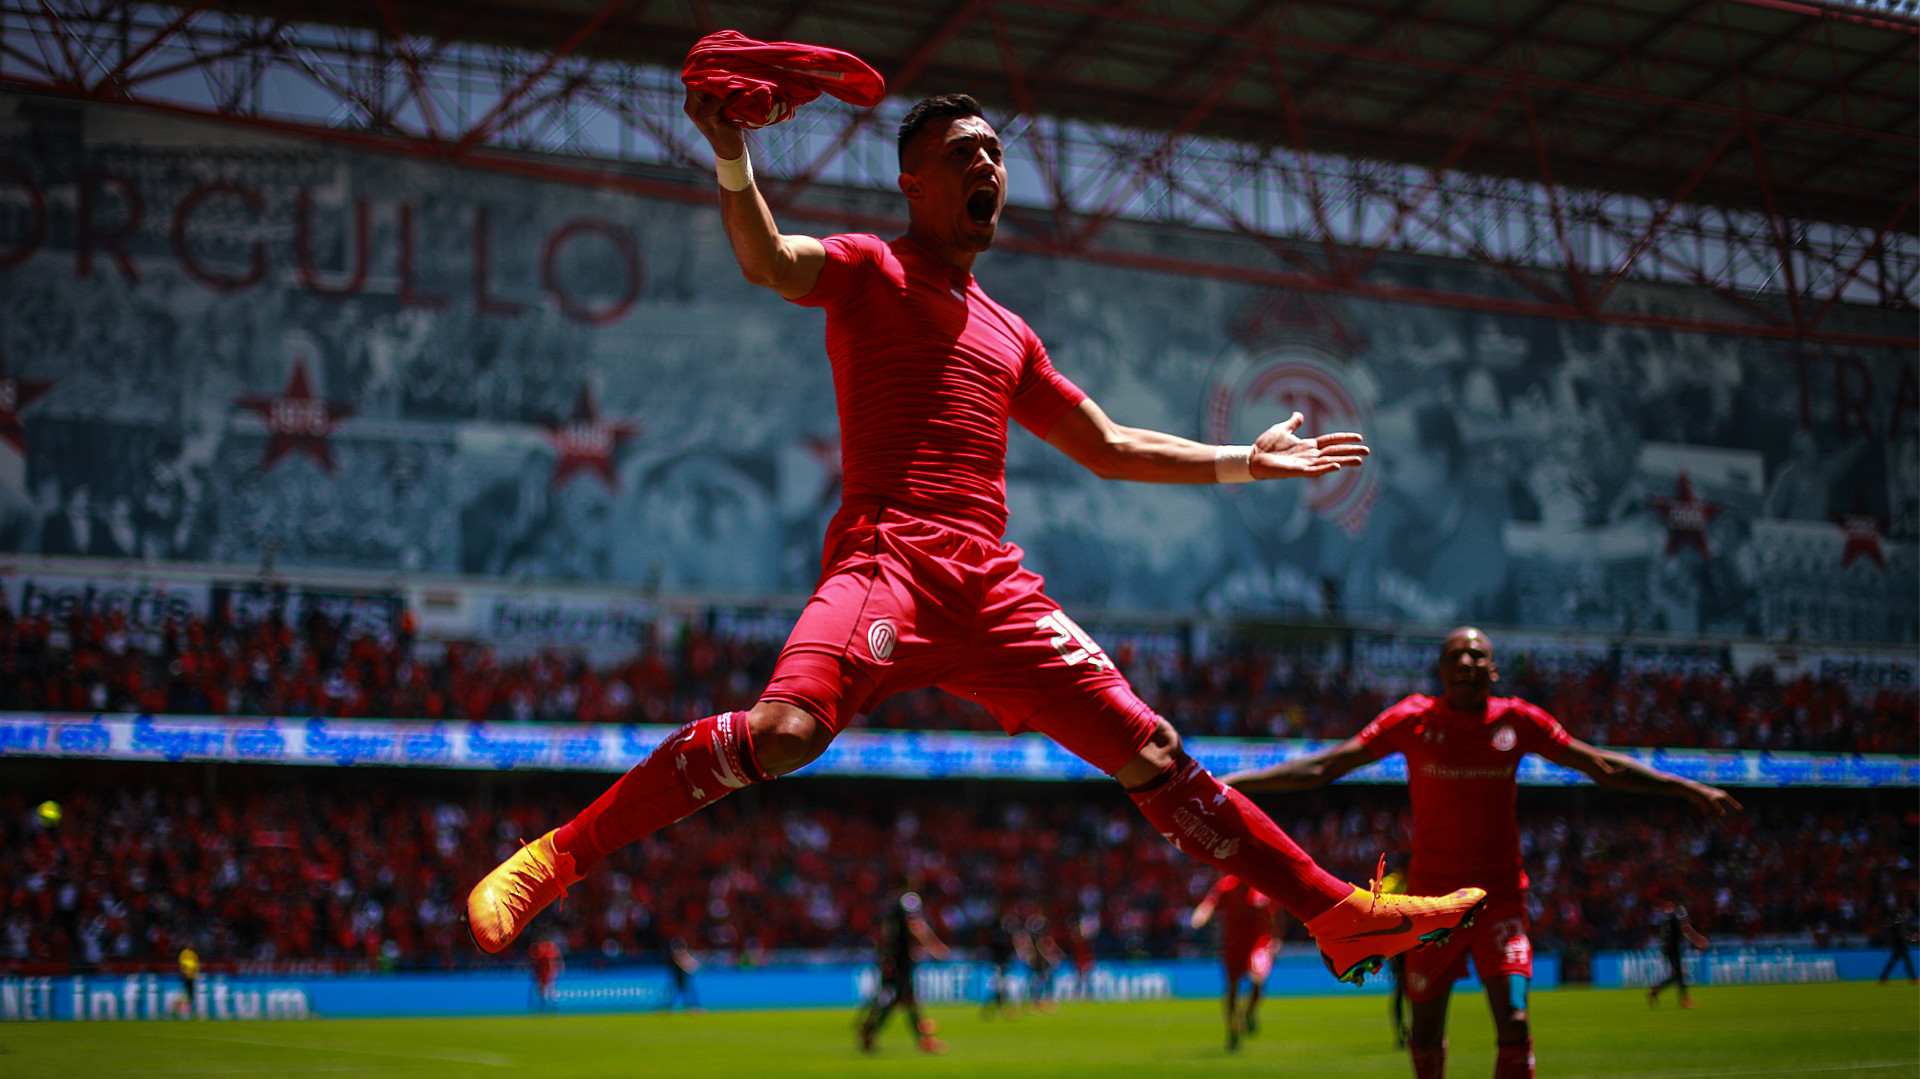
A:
x,y
1384,734
1539,731
850,256
1044,394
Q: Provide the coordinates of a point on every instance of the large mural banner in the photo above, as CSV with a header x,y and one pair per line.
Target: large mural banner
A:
x,y
218,346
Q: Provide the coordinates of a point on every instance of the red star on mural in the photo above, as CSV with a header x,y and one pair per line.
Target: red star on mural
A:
x,y
588,442
1687,516
1864,531
298,421
15,395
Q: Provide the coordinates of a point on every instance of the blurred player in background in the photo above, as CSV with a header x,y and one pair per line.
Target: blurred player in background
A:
x,y
902,928
547,965
189,981
1043,962
1006,939
1675,934
681,964
919,589
1247,927
1900,937
1463,752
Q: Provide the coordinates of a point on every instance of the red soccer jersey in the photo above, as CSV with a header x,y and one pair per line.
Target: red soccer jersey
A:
x,y
926,372
1245,914
1460,776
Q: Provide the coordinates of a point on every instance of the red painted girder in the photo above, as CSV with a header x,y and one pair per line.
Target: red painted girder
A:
x,y
1532,81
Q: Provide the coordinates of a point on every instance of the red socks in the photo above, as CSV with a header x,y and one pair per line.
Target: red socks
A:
x,y
1218,825
1430,1063
695,766
1514,1061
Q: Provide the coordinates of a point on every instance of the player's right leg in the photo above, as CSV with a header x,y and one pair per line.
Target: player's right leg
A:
x,y
1427,1040
693,767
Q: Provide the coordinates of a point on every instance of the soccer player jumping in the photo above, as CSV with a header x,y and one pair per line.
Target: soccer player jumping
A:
x,y
917,587
1463,749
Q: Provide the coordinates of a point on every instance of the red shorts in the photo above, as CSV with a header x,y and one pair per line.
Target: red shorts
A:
x,y
1244,956
903,604
1497,942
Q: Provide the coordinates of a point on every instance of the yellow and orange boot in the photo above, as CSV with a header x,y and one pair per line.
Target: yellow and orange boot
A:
x,y
505,900
1367,928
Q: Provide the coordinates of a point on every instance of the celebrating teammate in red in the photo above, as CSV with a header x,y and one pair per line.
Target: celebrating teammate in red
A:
x,y
1246,947
918,589
1463,749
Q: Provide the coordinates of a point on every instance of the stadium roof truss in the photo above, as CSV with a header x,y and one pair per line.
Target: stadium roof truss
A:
x,y
1764,151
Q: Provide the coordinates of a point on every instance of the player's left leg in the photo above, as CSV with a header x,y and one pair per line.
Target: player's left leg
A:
x,y
923,1028
1357,929
1428,978
878,1007
1427,1037
1503,954
1259,966
1035,669
1230,1007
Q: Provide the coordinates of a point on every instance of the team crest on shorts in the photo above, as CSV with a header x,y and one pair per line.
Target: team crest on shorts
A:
x,y
1504,738
881,637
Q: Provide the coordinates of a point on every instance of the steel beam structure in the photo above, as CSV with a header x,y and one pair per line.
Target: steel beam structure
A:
x,y
1288,210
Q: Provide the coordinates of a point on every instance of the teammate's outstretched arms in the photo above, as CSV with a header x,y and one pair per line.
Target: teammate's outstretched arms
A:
x,y
789,265
1304,773
1114,452
1621,772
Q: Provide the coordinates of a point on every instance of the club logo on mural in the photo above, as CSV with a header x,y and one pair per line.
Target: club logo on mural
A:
x,y
1294,355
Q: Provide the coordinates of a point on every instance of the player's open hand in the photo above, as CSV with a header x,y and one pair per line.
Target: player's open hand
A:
x,y
1279,453
1713,801
704,110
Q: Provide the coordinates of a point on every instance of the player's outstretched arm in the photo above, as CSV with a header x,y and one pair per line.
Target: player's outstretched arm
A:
x,y
1115,452
789,265
1305,773
923,933
1203,913
1621,772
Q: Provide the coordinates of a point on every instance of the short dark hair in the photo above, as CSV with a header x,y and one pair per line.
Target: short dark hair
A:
x,y
939,107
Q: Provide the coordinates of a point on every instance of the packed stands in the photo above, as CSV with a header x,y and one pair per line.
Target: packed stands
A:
x,y
318,667
367,871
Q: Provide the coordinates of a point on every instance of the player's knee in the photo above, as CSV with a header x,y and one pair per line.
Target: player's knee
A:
x,y
785,738
1514,1028
1161,752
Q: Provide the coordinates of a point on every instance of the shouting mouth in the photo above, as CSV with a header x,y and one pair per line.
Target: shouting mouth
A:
x,y
982,205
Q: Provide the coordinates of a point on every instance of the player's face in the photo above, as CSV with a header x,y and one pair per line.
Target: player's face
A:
x,y
957,182
1467,671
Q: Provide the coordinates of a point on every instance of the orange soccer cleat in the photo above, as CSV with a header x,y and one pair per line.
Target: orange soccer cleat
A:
x,y
505,900
1367,928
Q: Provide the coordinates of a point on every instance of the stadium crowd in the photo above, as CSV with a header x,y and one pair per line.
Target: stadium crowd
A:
x,y
268,666
363,873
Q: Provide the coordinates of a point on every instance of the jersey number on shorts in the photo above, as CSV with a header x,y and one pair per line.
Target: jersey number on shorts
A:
x,y
1072,642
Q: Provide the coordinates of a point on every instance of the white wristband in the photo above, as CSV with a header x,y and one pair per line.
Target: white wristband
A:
x,y
736,173
1233,464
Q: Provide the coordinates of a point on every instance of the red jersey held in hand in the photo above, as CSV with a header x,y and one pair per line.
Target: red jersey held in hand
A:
x,y
763,82
1460,777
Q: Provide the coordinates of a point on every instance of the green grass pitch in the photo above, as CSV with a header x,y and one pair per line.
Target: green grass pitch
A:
x,y
1819,1032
